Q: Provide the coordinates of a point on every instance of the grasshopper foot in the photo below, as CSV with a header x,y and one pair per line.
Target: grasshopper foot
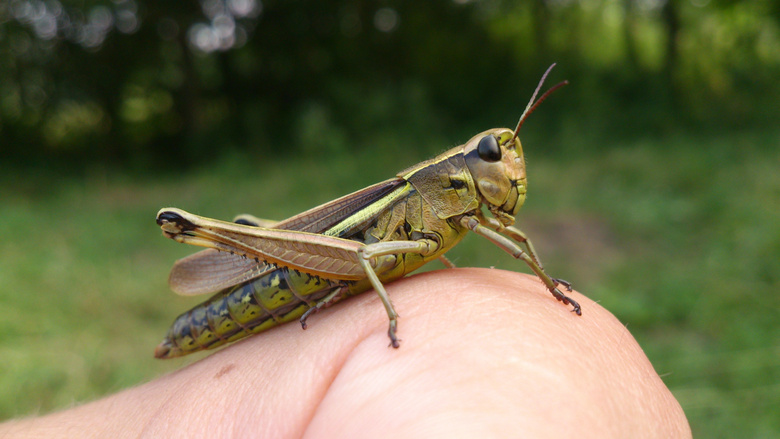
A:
x,y
332,297
565,283
566,300
394,341
306,315
575,307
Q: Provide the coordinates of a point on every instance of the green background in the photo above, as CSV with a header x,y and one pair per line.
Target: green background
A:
x,y
653,177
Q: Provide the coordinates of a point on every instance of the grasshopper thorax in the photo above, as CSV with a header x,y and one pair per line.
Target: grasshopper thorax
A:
x,y
496,164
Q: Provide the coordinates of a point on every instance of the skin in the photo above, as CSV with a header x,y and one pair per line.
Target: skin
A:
x,y
482,352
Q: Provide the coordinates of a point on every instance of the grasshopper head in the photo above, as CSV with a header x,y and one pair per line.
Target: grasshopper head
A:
x,y
495,161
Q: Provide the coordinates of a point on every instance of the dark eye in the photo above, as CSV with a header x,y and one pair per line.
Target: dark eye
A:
x,y
488,149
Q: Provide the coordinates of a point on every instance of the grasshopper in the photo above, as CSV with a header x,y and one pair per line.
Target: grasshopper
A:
x,y
266,273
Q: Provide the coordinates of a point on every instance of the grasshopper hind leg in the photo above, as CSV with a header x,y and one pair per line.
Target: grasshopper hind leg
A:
x,y
246,219
384,255
332,297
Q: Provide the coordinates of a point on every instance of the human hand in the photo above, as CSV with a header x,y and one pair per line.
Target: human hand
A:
x,y
483,353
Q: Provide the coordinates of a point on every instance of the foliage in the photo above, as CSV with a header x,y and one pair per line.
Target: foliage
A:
x,y
165,84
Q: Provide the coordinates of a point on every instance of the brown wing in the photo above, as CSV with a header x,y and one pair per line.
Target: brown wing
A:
x,y
325,216
312,253
210,270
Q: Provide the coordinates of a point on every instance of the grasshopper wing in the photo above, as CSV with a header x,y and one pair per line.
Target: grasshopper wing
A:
x,y
311,253
209,270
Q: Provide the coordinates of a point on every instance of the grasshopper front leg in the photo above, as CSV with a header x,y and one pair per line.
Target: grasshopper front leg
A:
x,y
518,235
473,223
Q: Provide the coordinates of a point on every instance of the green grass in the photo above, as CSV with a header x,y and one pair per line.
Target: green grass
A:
x,y
677,236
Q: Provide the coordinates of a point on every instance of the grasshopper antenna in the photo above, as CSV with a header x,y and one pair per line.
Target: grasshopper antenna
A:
x,y
531,105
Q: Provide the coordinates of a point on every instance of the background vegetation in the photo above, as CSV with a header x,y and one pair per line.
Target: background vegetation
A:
x,y
654,176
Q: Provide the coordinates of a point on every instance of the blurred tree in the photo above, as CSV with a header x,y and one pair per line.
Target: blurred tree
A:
x,y
168,83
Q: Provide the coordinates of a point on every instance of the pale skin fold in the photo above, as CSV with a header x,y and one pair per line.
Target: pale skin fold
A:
x,y
486,353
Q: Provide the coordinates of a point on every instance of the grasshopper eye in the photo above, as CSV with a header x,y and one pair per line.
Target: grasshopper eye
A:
x,y
488,149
